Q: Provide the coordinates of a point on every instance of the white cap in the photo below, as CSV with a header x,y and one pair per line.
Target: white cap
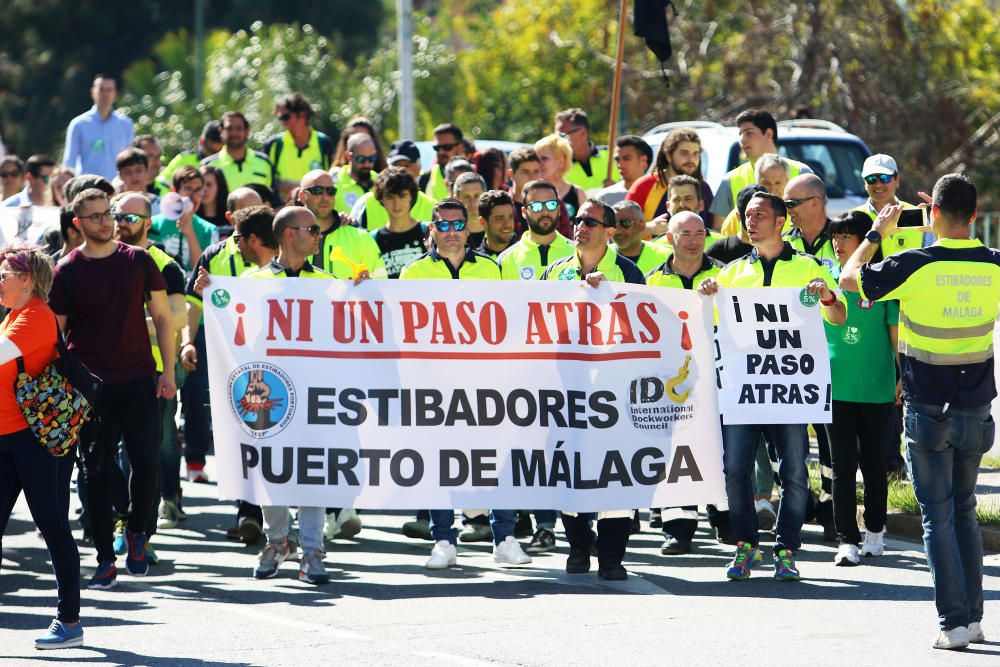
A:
x,y
879,164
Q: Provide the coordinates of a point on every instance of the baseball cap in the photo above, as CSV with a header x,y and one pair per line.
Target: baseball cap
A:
x,y
879,164
403,150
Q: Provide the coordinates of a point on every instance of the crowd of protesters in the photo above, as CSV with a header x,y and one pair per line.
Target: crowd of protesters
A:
x,y
137,243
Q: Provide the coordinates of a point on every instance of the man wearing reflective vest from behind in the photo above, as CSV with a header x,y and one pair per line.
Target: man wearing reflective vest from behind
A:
x,y
771,263
948,294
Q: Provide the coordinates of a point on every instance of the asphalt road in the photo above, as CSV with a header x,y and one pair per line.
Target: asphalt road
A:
x,y
200,606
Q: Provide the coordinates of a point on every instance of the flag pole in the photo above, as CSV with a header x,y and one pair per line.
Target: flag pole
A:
x,y
616,87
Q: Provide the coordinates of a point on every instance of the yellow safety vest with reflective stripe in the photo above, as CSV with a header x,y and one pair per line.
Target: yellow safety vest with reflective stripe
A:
x,y
161,259
223,259
598,171
344,249
290,163
822,246
433,266
790,268
650,256
948,297
348,190
527,260
901,239
275,270
615,268
254,169
437,187
665,276
744,175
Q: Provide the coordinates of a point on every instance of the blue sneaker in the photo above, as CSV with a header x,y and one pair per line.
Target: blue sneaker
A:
x,y
744,559
120,543
61,635
151,554
105,577
784,566
137,561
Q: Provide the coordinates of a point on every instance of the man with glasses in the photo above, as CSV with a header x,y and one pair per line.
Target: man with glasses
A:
x,y
357,177
771,263
11,176
39,170
451,257
98,294
805,199
590,164
447,144
239,165
629,229
298,236
541,244
132,223
185,238
344,250
881,177
595,261
299,149
95,137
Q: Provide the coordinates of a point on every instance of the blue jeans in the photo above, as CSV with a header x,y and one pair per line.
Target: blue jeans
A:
x,y
443,522
739,443
943,451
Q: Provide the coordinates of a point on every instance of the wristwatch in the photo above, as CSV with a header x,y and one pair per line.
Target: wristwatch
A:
x,y
873,236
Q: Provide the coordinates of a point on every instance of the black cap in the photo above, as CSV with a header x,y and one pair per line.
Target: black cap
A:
x,y
403,150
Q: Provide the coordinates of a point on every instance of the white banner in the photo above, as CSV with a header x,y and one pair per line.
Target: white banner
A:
x,y
462,394
775,360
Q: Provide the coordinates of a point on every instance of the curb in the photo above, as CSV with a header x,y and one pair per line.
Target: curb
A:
x,y
910,526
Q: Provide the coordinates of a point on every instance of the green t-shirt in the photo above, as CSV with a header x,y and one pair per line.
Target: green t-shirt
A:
x,y
165,234
862,361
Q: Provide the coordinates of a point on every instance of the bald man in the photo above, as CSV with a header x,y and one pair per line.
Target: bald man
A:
x,y
805,198
356,177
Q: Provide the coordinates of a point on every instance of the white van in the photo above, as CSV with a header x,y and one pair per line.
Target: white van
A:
x,y
834,154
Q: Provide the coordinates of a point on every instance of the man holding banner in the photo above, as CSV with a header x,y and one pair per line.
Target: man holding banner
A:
x,y
298,236
771,263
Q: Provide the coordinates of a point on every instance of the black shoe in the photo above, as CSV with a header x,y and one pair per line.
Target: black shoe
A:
x,y
655,518
612,573
578,561
636,528
724,536
829,533
249,530
522,527
675,547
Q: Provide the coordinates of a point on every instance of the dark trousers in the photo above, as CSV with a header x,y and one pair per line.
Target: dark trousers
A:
x,y
127,410
26,466
682,529
857,437
194,405
824,508
612,536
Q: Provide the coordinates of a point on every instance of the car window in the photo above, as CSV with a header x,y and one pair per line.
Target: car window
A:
x,y
838,163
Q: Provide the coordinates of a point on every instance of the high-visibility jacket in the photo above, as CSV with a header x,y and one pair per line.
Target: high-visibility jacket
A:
x,y
344,249
821,248
433,266
253,169
526,260
615,268
744,175
901,239
665,276
275,270
948,294
598,164
349,191
651,255
369,213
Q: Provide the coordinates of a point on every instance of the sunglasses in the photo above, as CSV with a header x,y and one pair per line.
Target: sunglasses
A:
x,y
792,203
9,174
565,135
589,222
537,206
627,224
363,159
130,218
284,115
318,190
312,229
443,147
236,237
871,179
448,225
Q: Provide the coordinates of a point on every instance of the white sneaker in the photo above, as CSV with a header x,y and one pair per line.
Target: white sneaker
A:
x,y
766,516
443,556
953,639
976,635
847,554
874,544
348,524
509,552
